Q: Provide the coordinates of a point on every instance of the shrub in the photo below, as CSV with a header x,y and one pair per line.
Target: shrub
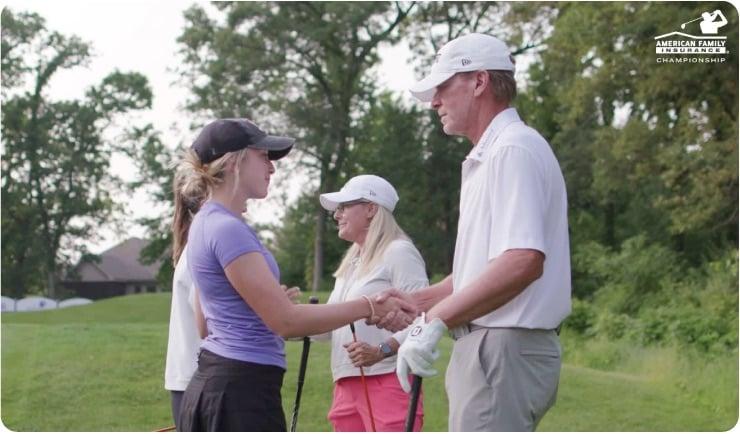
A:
x,y
582,317
613,325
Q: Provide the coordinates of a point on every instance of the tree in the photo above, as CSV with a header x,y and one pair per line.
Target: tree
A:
x,y
56,185
646,147
155,163
299,68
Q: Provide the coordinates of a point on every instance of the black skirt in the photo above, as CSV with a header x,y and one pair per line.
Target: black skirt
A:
x,y
231,395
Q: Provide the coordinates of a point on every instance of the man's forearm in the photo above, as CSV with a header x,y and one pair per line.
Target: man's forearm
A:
x,y
427,298
503,279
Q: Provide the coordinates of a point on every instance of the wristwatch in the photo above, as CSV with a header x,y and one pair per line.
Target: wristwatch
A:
x,y
385,350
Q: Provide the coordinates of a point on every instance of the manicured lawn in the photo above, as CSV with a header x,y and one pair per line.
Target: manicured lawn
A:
x,y
100,367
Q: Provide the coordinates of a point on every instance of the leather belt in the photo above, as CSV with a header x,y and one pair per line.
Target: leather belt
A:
x,y
465,329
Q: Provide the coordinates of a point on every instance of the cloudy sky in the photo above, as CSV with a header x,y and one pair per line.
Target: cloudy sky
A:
x,y
141,36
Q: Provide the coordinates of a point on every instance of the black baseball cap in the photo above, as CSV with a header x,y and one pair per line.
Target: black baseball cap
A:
x,y
228,135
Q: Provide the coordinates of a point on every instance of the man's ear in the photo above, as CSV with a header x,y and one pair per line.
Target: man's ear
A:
x,y
481,82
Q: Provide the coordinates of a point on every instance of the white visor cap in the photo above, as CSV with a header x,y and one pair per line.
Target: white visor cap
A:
x,y
367,187
473,52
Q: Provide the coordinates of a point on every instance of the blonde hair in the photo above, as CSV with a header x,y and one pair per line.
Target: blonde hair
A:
x,y
382,231
192,185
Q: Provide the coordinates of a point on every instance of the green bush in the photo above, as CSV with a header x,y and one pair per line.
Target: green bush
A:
x,y
582,317
647,296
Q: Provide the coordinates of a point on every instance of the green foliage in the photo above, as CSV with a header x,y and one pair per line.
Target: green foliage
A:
x,y
647,297
293,246
155,163
56,182
582,317
649,154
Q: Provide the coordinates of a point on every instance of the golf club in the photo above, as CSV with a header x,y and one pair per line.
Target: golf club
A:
x,y
302,373
364,384
683,26
413,403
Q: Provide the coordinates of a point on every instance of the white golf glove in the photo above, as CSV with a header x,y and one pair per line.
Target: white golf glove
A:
x,y
419,350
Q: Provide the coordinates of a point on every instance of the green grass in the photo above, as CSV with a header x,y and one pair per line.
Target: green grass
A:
x,y
100,368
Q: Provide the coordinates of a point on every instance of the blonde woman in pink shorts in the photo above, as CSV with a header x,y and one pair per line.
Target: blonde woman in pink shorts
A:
x,y
381,256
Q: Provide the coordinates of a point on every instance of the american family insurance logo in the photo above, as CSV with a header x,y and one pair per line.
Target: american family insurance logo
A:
x,y
680,47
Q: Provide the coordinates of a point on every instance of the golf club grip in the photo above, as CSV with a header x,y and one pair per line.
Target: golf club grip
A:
x,y
302,372
413,403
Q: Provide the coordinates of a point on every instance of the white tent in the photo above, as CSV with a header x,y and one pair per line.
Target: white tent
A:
x,y
35,303
77,301
8,304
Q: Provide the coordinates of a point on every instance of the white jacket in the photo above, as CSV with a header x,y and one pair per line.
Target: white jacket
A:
x,y
183,342
401,267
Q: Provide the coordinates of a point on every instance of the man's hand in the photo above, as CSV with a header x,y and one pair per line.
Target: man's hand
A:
x,y
393,321
419,351
363,354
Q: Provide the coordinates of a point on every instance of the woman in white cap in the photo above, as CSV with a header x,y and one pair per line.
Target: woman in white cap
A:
x,y
238,295
381,256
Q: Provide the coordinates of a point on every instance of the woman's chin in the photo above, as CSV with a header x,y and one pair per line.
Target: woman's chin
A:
x,y
343,235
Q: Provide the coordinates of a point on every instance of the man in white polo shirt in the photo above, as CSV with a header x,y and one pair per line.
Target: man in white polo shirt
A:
x,y
510,284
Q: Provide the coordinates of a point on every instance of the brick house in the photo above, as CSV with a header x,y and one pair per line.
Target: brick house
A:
x,y
118,272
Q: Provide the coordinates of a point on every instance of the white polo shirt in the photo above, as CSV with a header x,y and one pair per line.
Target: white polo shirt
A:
x,y
513,197
401,267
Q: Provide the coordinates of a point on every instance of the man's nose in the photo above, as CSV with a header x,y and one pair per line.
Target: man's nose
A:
x,y
436,101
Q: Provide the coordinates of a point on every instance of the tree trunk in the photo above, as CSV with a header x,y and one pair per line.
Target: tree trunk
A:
x,y
50,284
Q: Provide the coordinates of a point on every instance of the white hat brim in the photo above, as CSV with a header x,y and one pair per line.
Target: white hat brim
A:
x,y
424,90
330,201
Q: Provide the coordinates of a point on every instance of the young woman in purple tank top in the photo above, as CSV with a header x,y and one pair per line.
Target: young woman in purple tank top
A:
x,y
242,311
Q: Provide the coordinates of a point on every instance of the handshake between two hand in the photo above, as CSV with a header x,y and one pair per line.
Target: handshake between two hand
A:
x,y
393,310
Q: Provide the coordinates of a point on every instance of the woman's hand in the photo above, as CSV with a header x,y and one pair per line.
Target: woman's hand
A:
x,y
294,293
363,354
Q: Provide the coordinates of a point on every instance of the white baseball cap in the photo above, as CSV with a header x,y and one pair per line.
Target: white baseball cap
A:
x,y
473,52
368,187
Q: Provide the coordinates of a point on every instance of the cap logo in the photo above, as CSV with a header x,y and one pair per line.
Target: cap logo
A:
x,y
436,58
371,193
465,61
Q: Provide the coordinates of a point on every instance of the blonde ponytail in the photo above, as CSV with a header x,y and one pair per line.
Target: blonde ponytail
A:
x,y
192,185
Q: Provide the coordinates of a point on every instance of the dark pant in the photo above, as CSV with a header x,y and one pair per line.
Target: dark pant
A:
x,y
176,396
231,395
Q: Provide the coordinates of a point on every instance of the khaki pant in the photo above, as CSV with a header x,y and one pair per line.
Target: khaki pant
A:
x,y
502,379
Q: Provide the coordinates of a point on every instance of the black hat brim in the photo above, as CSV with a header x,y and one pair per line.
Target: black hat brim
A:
x,y
277,147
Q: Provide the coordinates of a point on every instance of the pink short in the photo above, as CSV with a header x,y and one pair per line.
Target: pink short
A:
x,y
389,403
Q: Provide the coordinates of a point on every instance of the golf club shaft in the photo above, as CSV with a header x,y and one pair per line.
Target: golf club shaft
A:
x,y
413,403
364,384
301,374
